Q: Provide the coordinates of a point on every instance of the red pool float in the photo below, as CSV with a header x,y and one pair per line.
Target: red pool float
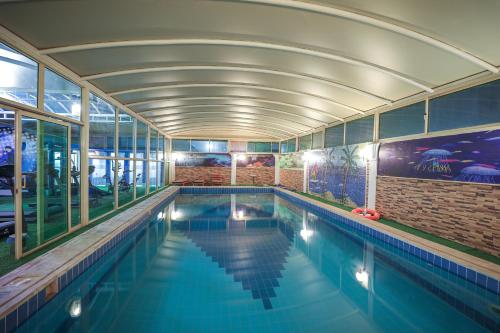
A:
x,y
370,214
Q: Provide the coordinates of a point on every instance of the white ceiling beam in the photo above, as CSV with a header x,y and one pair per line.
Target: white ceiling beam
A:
x,y
240,68
203,115
209,127
179,110
379,22
237,85
248,98
257,126
240,43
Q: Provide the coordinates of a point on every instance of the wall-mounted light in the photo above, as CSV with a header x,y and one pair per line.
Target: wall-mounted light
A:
x,y
367,153
241,157
310,157
239,215
161,216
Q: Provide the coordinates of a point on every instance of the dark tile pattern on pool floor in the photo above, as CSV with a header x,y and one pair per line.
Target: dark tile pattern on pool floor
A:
x,y
253,252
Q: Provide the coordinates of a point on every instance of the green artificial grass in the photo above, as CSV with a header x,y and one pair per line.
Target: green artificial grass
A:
x,y
9,263
425,235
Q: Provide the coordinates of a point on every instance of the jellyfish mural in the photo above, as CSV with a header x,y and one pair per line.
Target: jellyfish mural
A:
x,y
435,161
479,173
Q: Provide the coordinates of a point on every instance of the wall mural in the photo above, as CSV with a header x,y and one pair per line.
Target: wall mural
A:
x,y
255,161
204,160
291,161
339,174
470,157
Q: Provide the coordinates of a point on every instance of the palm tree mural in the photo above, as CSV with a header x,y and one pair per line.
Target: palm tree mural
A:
x,y
348,163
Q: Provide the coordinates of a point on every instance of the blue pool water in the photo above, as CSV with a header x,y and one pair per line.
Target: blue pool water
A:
x,y
257,263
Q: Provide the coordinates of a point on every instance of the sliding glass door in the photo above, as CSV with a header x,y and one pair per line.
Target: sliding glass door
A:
x,y
45,180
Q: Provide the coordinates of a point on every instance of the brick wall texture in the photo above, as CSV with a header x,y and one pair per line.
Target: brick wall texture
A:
x,y
292,179
193,173
263,176
463,212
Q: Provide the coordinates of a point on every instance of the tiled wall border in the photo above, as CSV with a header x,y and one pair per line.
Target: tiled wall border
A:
x,y
18,308
471,274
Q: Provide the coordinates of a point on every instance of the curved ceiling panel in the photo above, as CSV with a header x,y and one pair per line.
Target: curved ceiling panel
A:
x,y
262,67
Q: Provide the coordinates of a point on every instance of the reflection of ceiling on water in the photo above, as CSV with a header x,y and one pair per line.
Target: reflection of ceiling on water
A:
x,y
254,253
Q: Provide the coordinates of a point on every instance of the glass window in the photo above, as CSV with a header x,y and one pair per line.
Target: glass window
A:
x,y
238,146
45,171
161,147
101,187
62,96
259,147
403,121
75,174
161,174
359,130
317,140
334,136
141,135
19,77
125,182
218,146
180,144
125,135
153,144
7,162
140,178
167,145
200,146
283,147
305,142
101,127
275,147
470,107
291,145
152,176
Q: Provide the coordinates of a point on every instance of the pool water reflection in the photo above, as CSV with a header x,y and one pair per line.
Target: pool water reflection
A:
x,y
247,263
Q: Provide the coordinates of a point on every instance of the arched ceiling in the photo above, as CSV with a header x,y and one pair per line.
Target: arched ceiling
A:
x,y
261,68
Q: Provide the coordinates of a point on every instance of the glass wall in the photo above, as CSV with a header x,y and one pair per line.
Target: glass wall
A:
x,y
19,77
334,136
478,105
305,142
317,140
359,130
45,175
120,167
403,121
62,96
101,127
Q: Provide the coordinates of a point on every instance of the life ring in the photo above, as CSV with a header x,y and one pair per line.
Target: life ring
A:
x,y
370,214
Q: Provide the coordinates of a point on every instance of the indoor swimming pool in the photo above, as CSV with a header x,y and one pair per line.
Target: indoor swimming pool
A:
x,y
256,262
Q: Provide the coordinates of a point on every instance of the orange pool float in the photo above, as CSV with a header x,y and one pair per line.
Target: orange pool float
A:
x,y
370,214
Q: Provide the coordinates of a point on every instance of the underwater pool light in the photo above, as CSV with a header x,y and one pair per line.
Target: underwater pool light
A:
x,y
75,307
362,277
306,234
175,215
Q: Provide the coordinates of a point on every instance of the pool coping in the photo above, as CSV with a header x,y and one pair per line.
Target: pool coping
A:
x,y
51,272
26,289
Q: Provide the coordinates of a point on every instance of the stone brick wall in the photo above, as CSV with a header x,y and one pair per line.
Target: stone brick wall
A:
x,y
263,176
463,212
193,173
292,179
